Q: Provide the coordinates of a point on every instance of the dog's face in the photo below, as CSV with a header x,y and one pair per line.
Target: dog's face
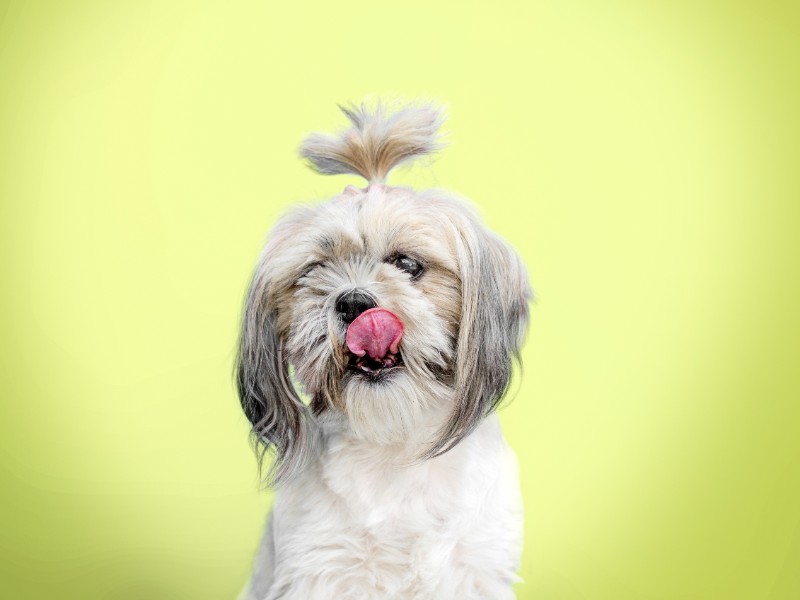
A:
x,y
373,251
441,302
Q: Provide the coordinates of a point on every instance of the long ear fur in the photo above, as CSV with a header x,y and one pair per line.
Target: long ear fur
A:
x,y
376,142
281,422
494,319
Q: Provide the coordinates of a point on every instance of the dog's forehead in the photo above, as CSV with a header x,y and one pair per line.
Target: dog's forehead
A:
x,y
379,222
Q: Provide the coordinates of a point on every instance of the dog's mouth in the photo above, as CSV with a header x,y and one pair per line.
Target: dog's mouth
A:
x,y
373,340
374,368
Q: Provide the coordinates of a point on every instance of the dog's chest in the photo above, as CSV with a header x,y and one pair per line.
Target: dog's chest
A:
x,y
359,521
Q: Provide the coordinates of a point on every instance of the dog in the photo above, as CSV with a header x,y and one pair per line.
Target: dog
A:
x,y
378,336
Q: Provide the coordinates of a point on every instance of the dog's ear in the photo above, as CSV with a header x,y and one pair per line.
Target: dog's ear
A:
x,y
280,420
494,317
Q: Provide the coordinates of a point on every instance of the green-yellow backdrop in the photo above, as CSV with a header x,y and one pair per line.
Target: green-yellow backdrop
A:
x,y
642,156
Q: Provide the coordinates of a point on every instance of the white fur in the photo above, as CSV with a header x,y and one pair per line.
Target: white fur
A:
x,y
362,524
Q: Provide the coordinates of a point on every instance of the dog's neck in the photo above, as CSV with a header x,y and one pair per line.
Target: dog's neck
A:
x,y
382,480
335,431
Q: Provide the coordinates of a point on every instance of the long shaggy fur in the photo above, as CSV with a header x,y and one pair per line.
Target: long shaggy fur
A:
x,y
376,141
400,487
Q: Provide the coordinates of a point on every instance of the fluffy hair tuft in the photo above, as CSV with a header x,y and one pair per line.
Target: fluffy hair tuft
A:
x,y
377,140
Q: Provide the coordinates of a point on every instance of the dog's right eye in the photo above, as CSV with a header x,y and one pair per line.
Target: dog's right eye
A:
x,y
307,271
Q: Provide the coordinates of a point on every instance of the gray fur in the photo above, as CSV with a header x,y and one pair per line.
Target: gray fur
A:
x,y
494,317
279,418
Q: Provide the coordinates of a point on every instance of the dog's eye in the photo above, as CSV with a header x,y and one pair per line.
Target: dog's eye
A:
x,y
405,263
307,270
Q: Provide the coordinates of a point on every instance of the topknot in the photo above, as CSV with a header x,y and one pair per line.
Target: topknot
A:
x,y
377,140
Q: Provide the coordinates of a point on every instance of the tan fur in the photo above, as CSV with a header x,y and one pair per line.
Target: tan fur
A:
x,y
377,141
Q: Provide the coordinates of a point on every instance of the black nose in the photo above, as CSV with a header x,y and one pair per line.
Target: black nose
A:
x,y
353,303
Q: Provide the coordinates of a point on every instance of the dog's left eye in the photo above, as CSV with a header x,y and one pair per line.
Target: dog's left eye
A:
x,y
405,263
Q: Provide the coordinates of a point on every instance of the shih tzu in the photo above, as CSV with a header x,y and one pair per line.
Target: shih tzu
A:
x,y
378,336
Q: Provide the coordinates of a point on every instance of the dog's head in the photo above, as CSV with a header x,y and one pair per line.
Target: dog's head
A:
x,y
397,311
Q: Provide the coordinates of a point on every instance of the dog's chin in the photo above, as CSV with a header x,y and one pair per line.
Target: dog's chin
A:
x,y
384,404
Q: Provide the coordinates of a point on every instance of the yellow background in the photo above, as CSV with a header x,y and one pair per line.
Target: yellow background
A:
x,y
642,156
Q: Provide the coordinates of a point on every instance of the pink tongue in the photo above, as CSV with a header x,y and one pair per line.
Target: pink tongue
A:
x,y
376,332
